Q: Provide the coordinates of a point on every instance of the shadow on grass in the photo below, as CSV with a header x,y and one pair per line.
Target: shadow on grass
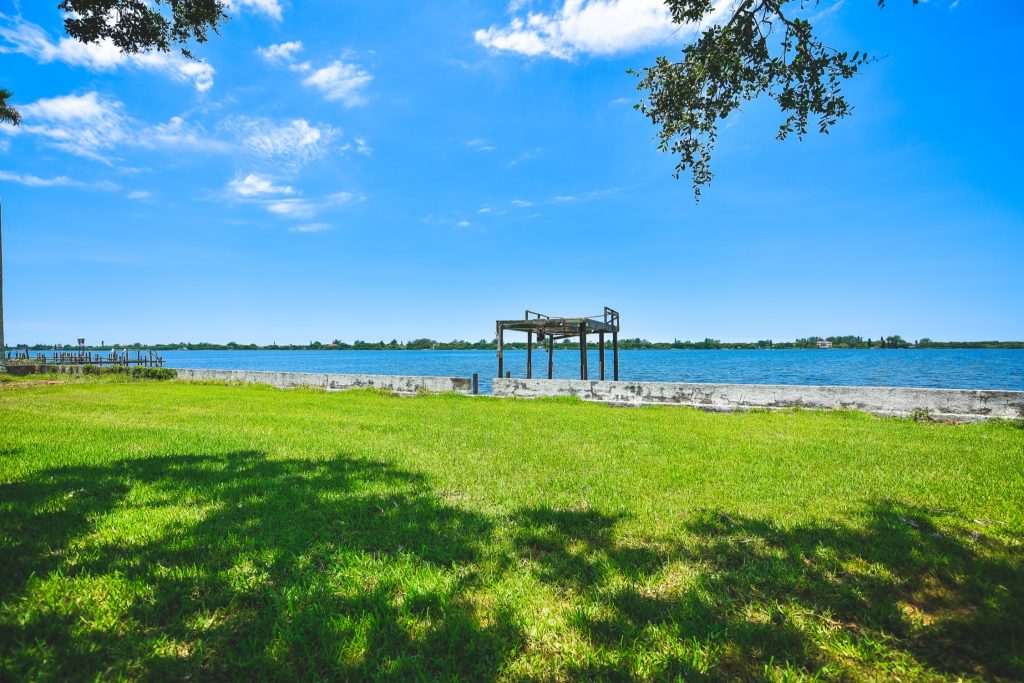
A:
x,y
287,569
243,566
889,595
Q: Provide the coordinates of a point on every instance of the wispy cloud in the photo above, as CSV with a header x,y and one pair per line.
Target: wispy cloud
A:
x,y
310,227
592,27
85,125
140,194
254,184
524,157
180,133
280,53
361,147
461,223
291,145
268,8
827,12
32,40
586,196
340,82
95,127
480,145
308,208
282,200
91,126
57,181
292,208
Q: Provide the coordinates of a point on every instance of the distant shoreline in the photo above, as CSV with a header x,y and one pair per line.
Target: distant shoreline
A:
x,y
624,345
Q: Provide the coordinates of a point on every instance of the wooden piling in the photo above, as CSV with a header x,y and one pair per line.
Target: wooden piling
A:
x,y
551,356
529,355
615,354
583,351
501,351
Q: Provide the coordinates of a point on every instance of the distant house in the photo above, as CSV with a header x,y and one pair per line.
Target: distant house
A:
x,y
824,344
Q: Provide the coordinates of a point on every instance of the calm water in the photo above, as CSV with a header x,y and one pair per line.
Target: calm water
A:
x,y
957,369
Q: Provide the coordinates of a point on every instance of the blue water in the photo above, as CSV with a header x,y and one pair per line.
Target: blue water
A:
x,y
955,369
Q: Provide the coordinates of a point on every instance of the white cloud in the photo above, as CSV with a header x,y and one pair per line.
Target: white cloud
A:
x,y
480,145
292,145
270,8
92,126
521,203
305,208
85,125
140,194
310,227
58,181
525,156
255,184
180,133
586,196
341,198
261,190
463,223
593,27
69,108
340,81
280,52
360,147
32,40
292,208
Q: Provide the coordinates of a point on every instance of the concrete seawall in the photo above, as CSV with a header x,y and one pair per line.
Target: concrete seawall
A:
x,y
963,405
966,405
334,382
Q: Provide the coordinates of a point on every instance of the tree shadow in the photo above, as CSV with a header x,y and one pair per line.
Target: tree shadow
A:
x,y
245,566
893,590
287,568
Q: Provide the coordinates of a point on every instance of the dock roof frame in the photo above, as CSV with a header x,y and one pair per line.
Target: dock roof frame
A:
x,y
552,328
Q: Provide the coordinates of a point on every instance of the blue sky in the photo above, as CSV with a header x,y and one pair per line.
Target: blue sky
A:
x,y
394,170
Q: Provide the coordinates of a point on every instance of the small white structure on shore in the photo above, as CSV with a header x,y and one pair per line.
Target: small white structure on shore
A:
x,y
824,344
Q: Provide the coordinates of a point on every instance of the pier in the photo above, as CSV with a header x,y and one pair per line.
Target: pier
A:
x,y
142,358
544,326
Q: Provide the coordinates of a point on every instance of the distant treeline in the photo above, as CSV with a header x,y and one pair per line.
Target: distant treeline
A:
x,y
840,342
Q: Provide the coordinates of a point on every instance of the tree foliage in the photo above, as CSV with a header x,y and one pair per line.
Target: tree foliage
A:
x,y
135,26
8,114
143,25
763,48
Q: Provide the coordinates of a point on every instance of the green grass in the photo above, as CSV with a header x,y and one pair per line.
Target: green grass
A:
x,y
165,530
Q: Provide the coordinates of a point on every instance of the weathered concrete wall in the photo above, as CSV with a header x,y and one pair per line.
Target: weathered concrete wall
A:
x,y
333,382
954,404
23,369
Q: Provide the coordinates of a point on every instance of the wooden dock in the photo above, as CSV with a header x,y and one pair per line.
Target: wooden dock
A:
x,y
148,359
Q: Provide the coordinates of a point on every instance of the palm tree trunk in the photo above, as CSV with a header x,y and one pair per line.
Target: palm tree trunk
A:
x,y
3,354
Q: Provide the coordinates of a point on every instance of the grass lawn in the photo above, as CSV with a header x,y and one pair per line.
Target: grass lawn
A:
x,y
165,530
